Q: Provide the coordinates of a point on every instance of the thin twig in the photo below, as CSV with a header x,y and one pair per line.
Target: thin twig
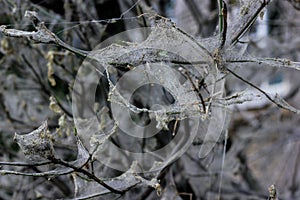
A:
x,y
44,87
243,25
22,164
88,174
220,4
223,163
41,35
34,174
276,100
196,89
224,24
274,62
195,12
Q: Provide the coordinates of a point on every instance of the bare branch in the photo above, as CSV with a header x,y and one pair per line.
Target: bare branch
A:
x,y
56,172
274,62
22,164
277,100
248,14
239,98
222,22
88,174
42,35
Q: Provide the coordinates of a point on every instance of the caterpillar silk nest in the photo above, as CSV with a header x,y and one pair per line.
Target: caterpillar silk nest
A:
x,y
37,145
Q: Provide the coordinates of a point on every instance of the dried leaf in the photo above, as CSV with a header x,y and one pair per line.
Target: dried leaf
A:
x,y
54,106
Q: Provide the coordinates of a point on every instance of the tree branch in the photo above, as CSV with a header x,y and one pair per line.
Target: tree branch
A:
x,y
41,35
88,174
248,14
274,62
277,100
22,164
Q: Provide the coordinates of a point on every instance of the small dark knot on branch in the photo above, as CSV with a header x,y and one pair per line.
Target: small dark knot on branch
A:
x,y
33,16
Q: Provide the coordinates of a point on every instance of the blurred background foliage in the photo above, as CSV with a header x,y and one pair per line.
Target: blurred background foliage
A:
x,y
263,147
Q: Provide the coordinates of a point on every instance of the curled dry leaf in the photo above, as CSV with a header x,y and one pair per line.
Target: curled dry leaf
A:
x,y
36,145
